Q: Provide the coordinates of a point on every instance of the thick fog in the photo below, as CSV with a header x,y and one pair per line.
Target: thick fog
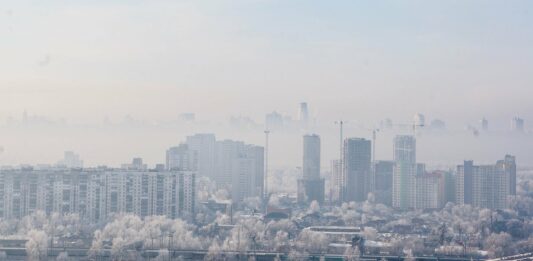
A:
x,y
109,79
115,143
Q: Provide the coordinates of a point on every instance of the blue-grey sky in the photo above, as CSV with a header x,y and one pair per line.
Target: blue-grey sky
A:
x,y
358,60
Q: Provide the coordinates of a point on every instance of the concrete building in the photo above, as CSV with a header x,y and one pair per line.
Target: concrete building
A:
x,y
419,121
508,164
303,115
404,174
357,169
485,186
239,168
383,172
310,190
96,194
448,186
336,182
71,160
136,164
517,124
204,145
484,124
274,121
429,194
311,186
311,156
182,158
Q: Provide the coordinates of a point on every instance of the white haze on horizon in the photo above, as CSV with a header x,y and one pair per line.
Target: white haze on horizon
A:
x,y
355,60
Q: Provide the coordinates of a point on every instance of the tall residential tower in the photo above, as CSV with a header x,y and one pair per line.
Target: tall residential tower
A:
x,y
311,186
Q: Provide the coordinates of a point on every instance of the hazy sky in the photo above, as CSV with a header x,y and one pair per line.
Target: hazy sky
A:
x,y
356,60
84,60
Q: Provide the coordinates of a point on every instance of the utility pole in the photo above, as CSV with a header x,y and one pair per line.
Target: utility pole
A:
x,y
265,182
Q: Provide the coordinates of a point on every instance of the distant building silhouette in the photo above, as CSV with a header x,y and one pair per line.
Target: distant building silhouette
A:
x,y
486,186
274,121
484,124
303,115
71,160
136,164
181,158
336,182
357,169
383,172
311,186
204,145
517,124
405,170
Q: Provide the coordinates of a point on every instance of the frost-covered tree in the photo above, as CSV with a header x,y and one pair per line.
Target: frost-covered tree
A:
x,y
162,255
214,253
499,245
314,207
352,254
312,242
37,245
295,255
63,256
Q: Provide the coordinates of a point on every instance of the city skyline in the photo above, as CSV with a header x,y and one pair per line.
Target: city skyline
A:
x,y
266,130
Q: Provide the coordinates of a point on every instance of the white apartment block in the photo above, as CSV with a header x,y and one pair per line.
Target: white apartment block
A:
x,y
96,194
485,186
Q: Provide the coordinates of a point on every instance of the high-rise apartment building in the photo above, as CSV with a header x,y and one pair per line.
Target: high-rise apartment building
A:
x,y
383,172
311,186
274,121
428,193
96,194
357,169
517,124
239,167
71,160
181,158
204,145
508,164
484,124
336,182
485,186
311,157
303,115
404,174
419,120
136,164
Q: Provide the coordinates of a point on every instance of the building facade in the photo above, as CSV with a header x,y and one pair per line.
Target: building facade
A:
x,y
428,193
182,158
204,145
336,182
239,168
311,186
96,194
357,169
485,186
404,174
383,171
